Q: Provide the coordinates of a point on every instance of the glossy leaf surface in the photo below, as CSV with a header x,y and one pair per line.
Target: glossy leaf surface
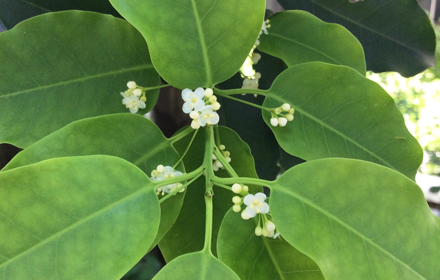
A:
x,y
75,218
298,37
60,67
128,136
196,43
357,220
15,11
258,257
196,266
187,234
339,113
387,30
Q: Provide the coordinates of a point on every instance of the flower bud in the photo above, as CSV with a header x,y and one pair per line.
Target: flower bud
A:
x,y
258,231
195,124
137,92
213,99
216,106
245,188
194,115
160,168
236,208
236,188
143,99
266,233
222,147
285,107
289,117
244,215
282,121
209,92
236,199
291,111
270,226
277,110
131,85
274,121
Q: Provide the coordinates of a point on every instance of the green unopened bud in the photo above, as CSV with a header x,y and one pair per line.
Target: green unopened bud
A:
x,y
236,208
258,231
277,111
285,107
236,199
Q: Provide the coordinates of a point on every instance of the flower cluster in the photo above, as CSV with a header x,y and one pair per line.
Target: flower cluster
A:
x,y
263,29
216,164
134,97
165,172
255,205
281,115
201,104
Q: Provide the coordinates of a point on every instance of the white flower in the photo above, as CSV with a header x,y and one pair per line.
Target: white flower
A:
x,y
132,102
165,172
251,83
255,204
255,58
208,116
193,100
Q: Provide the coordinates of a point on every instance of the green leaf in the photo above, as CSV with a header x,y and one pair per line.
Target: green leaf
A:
x,y
196,43
396,35
357,220
196,266
75,218
187,234
340,113
298,37
128,136
257,257
15,11
60,67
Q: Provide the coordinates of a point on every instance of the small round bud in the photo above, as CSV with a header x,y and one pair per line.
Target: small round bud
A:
x,y
160,168
266,233
213,99
226,153
236,188
209,92
216,106
236,208
131,85
255,58
137,92
282,121
228,159
222,147
258,231
154,173
274,121
285,107
291,111
236,199
194,115
214,167
244,215
270,226
214,157
143,99
245,188
195,124
289,117
219,164
278,110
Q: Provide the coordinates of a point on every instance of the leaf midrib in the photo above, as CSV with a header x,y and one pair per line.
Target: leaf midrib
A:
x,y
343,136
202,44
77,80
343,224
76,224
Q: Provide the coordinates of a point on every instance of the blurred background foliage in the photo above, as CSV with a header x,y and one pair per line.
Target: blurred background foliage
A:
x,y
418,98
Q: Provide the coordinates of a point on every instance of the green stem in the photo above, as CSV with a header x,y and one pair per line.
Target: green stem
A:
x,y
241,180
246,102
209,174
181,187
187,148
223,161
225,92
180,135
217,135
180,178
223,186
156,87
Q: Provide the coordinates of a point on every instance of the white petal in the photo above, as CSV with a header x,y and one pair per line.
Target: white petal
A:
x,y
199,92
216,118
260,196
199,105
133,109
186,93
141,104
251,212
264,209
249,199
186,108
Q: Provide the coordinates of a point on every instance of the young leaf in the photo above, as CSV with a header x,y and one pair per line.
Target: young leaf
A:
x,y
196,266
357,220
196,43
60,67
298,37
130,137
339,113
15,11
396,35
187,233
88,217
258,257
